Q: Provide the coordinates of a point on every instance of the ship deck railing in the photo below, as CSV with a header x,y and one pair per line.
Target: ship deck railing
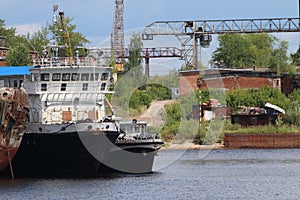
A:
x,y
67,61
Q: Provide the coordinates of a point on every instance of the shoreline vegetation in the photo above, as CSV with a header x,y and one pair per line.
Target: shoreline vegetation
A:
x,y
236,132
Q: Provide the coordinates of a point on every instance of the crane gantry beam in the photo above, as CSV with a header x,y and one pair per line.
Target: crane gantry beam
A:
x,y
190,32
223,26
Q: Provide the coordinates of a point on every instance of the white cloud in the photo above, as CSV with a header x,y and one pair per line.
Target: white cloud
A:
x,y
24,29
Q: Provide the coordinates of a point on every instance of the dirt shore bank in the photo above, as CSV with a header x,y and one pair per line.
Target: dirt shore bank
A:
x,y
190,146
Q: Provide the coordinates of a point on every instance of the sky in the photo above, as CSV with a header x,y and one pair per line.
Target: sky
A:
x,y
94,18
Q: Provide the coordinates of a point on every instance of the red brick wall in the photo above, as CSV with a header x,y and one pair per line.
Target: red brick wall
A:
x,y
236,82
287,84
263,140
3,63
188,81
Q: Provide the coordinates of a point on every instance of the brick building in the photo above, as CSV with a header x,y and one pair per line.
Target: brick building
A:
x,y
226,78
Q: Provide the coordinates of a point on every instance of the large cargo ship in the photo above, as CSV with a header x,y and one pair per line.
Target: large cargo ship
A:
x,y
71,132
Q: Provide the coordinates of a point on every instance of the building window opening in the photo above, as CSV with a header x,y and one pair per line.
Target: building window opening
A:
x,y
75,77
103,86
104,77
85,86
15,83
94,77
63,87
45,77
66,76
34,77
56,77
43,87
84,77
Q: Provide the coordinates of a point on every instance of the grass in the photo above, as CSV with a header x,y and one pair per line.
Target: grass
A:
x,y
261,129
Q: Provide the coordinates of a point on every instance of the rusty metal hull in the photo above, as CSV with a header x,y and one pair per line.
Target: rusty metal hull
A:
x,y
14,115
6,155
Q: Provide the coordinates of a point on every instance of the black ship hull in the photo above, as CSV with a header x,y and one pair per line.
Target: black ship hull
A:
x,y
62,155
133,156
67,155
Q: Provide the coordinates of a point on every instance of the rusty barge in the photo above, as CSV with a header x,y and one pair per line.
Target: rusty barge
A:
x,y
14,116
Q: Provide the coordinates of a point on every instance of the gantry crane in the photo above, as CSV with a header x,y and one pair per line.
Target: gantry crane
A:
x,y
117,38
120,52
191,34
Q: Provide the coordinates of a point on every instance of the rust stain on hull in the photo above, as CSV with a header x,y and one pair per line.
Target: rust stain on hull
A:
x,y
14,116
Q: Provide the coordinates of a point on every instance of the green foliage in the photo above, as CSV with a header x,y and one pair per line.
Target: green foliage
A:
x,y
133,65
209,132
139,99
187,130
77,39
236,51
172,121
18,55
206,94
262,129
296,57
295,96
38,40
256,98
292,115
157,92
187,103
279,59
170,80
248,50
20,46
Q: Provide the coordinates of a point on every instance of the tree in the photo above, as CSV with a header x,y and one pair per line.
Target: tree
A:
x,y
18,55
235,51
38,40
133,65
279,60
76,38
9,33
248,50
296,57
20,46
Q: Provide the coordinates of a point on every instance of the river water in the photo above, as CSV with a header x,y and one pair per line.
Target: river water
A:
x,y
193,174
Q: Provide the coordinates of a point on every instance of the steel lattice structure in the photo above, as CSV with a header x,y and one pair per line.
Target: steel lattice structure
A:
x,y
117,39
192,33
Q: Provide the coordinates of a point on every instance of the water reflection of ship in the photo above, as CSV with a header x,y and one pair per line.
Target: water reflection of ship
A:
x,y
69,131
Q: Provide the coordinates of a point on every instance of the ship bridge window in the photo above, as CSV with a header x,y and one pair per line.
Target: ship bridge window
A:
x,y
103,85
75,77
94,75
66,76
104,77
45,77
85,77
63,87
85,86
15,83
56,77
33,77
43,87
